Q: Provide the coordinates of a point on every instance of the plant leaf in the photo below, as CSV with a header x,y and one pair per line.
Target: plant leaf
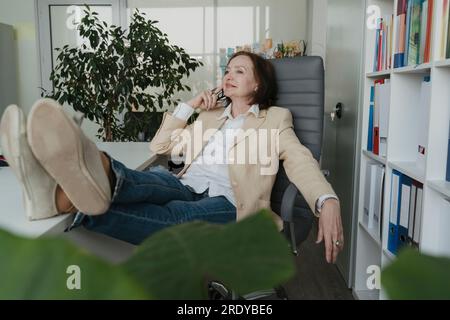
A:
x,y
178,262
37,269
417,276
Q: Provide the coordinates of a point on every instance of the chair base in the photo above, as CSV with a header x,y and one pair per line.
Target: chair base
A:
x,y
217,291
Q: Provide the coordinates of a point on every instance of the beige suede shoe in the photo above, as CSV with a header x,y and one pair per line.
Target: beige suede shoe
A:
x,y
69,157
38,187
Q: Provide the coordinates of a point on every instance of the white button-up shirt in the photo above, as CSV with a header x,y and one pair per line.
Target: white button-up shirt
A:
x,y
209,169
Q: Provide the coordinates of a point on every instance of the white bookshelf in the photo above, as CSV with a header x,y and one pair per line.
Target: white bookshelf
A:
x,y
401,155
416,69
366,294
378,74
443,187
375,157
372,233
409,168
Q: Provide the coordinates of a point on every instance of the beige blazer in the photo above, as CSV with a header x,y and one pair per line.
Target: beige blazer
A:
x,y
251,189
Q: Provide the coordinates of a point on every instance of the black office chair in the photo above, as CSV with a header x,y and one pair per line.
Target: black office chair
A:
x,y
300,89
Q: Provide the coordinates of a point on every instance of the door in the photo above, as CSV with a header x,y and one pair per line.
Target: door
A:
x,y
345,21
58,21
8,64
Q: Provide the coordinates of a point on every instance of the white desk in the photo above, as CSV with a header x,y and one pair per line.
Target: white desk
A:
x,y
135,155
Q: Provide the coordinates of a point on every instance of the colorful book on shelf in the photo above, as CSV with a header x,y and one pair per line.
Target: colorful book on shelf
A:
x,y
429,27
425,30
380,47
383,106
376,116
393,213
383,43
391,37
375,54
423,27
377,64
380,226
370,127
401,30
408,31
412,211
416,211
403,211
414,35
376,139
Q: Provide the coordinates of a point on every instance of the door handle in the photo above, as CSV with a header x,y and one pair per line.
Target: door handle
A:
x,y
337,112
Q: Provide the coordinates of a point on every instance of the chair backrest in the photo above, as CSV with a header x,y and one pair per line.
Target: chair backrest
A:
x,y
301,90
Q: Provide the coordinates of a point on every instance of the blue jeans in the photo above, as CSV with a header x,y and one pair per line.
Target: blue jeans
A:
x,y
144,202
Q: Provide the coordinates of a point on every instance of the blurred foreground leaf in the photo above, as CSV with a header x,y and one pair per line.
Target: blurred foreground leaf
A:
x,y
178,262
37,269
416,276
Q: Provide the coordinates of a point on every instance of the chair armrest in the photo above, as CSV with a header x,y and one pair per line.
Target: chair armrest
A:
x,y
287,203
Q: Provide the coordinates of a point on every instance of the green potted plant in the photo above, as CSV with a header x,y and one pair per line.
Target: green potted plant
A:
x,y
117,72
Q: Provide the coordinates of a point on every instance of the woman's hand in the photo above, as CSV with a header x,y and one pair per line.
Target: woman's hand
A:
x,y
206,100
330,229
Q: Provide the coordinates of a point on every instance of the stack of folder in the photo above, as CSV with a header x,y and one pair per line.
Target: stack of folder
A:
x,y
405,212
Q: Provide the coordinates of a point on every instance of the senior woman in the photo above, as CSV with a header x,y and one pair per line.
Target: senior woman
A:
x,y
222,181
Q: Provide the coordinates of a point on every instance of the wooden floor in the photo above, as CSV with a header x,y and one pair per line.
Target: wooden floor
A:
x,y
315,278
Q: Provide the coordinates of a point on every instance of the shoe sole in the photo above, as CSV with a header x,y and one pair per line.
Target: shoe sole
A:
x,y
13,129
63,156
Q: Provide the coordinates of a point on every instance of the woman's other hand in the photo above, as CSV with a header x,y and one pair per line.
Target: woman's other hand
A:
x,y
330,229
206,100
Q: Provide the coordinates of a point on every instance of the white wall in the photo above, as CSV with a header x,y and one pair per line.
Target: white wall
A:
x,y
21,15
317,27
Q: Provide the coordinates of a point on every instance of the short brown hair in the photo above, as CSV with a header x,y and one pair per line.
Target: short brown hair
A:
x,y
266,93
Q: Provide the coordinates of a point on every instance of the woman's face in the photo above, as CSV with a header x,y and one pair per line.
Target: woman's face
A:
x,y
239,80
